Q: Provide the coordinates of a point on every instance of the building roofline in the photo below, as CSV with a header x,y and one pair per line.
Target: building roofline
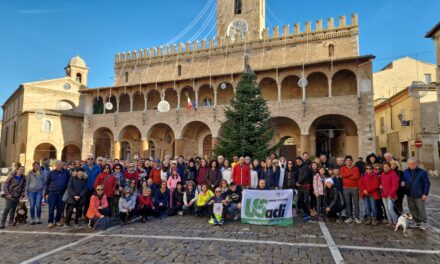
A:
x,y
360,59
431,86
431,33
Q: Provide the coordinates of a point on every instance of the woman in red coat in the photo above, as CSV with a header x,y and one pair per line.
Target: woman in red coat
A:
x,y
369,192
389,184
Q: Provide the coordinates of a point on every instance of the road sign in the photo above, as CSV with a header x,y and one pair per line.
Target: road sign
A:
x,y
418,143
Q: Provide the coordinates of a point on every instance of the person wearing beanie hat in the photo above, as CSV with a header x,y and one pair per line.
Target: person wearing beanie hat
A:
x,y
333,201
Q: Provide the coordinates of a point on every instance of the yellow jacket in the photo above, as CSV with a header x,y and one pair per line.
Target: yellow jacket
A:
x,y
202,199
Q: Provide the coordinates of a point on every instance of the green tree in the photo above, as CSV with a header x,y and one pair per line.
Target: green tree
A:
x,y
247,130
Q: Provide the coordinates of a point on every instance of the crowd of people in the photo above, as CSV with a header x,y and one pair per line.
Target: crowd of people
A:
x,y
93,190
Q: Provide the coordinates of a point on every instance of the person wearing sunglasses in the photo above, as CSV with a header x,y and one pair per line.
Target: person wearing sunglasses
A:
x,y
108,180
98,207
92,169
216,217
369,192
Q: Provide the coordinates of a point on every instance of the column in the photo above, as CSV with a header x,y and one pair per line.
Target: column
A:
x,y
116,150
330,88
178,142
215,97
144,148
145,103
214,142
304,144
197,99
131,102
178,100
358,84
117,106
279,92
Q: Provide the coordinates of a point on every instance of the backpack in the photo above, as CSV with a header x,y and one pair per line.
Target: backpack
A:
x,y
102,223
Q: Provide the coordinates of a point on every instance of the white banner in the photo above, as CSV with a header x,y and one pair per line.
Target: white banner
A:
x,y
267,207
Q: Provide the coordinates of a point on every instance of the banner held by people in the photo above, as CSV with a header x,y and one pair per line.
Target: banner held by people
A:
x,y
267,207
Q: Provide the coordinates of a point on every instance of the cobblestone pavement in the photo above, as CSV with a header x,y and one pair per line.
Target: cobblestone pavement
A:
x,y
192,240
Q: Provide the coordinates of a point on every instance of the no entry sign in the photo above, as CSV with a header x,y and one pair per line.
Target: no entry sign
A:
x,y
418,143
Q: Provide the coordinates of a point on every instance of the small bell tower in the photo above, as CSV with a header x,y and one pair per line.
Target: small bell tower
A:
x,y
77,70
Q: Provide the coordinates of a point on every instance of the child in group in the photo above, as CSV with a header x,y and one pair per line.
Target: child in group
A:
x,y
127,204
318,189
177,200
145,206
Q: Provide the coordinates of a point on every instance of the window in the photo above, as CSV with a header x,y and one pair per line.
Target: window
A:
x,y
331,50
14,132
428,78
179,70
238,6
47,125
207,102
126,77
404,146
79,77
382,125
6,136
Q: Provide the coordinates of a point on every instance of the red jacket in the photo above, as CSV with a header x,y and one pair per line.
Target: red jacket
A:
x,y
350,177
390,184
95,202
109,182
241,175
145,201
132,176
201,175
155,176
370,183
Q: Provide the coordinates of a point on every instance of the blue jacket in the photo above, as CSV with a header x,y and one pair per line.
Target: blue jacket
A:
x,y
420,184
92,174
56,181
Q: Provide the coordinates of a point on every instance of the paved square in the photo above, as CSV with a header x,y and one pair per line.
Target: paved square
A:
x,y
192,240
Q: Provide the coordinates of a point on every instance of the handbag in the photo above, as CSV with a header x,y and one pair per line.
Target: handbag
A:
x,y
102,223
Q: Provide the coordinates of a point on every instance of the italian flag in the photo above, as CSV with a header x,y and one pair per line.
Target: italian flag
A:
x,y
188,104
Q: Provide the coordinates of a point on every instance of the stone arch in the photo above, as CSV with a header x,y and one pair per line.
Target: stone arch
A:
x,y
130,142
288,131
153,99
65,105
334,135
290,88
269,89
225,93
318,85
103,141
206,96
45,150
138,101
344,83
193,135
112,99
163,137
171,97
187,91
98,105
71,152
124,103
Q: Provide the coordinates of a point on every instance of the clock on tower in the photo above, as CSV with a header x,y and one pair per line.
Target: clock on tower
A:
x,y
236,18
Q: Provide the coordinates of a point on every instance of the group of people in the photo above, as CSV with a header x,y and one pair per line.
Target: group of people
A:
x,y
103,188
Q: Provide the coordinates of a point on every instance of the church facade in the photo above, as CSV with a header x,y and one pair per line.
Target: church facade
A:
x,y
332,114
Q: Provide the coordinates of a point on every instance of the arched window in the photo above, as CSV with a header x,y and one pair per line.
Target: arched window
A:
x,y
179,70
331,50
79,77
238,6
207,101
47,125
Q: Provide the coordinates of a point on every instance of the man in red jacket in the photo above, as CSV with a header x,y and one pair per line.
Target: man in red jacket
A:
x,y
350,179
241,174
155,173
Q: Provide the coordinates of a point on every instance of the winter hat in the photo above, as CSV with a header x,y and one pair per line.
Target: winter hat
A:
x,y
329,180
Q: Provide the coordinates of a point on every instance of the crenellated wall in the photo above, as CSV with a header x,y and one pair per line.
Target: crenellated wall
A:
x,y
275,48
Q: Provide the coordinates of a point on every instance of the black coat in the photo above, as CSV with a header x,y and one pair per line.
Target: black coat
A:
x,y
77,187
305,175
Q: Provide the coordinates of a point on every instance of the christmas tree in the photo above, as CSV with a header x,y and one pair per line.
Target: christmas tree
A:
x,y
247,130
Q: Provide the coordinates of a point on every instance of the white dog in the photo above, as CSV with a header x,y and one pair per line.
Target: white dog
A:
x,y
403,221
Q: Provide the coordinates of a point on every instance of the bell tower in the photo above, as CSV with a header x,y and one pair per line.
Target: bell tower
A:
x,y
77,70
240,17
